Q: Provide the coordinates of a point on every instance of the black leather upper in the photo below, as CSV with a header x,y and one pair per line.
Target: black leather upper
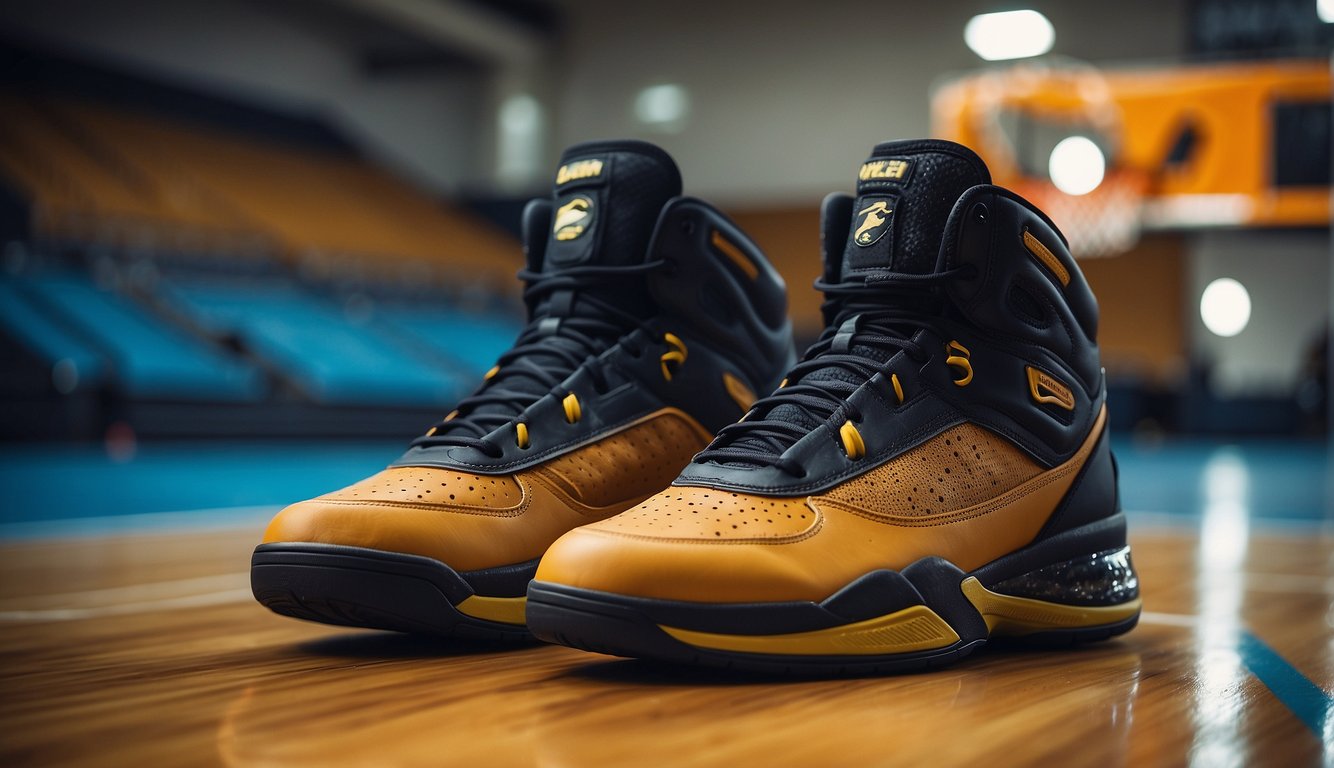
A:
x,y
730,322
1001,303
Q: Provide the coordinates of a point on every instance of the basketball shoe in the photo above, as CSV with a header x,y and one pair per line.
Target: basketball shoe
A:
x,y
652,321
934,473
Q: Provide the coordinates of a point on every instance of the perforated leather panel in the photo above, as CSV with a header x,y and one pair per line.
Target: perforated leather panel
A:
x,y
966,465
627,465
430,485
705,513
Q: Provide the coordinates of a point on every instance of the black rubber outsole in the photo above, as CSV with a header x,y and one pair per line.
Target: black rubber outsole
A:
x,y
601,623
622,625
372,589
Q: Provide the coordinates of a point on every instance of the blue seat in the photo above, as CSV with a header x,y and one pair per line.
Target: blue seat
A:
x,y
150,358
314,344
473,341
49,340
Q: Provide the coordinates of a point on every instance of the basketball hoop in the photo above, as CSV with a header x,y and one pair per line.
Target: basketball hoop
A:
x,y
1104,222
1008,113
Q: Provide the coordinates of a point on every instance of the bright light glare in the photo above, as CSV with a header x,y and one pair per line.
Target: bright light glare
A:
x,y
1009,35
663,106
1076,165
1225,307
520,124
520,114
1325,10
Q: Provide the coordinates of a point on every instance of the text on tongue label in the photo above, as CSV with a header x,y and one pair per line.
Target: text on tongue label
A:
x,y
884,169
582,169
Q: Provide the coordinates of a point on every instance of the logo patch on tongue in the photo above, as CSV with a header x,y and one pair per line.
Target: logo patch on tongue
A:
x,y
874,219
573,218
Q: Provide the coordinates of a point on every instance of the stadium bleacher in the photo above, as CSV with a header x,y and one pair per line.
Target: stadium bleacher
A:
x,y
74,362
149,359
472,341
284,274
312,343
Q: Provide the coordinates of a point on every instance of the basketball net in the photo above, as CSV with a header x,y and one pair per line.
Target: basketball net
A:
x,y
1103,222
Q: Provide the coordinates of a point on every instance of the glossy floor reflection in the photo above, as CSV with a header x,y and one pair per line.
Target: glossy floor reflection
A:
x,y
147,650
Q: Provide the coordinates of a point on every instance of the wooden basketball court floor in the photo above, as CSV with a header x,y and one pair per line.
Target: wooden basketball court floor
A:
x,y
145,648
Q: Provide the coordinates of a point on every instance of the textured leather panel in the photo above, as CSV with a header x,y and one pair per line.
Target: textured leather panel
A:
x,y
701,513
466,539
964,466
847,543
470,521
431,486
994,245
629,464
706,296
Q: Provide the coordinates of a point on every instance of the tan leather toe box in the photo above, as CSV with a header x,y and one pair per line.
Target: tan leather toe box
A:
x,y
697,545
705,545
466,521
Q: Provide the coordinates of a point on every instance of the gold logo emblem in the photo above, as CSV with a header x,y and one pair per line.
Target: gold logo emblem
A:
x,y
583,169
573,218
1045,388
874,221
884,169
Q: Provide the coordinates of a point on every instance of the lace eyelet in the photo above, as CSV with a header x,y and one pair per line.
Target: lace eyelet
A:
x,y
676,355
853,445
573,411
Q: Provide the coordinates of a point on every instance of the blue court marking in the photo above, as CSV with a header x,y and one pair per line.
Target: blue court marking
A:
x,y
51,483
1284,480
63,486
1309,702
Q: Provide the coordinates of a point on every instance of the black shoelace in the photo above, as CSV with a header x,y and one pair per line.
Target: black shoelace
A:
x,y
888,309
541,359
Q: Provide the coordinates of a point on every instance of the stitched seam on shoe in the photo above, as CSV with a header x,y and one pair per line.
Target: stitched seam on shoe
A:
x,y
912,440
1015,494
816,525
534,460
514,511
578,506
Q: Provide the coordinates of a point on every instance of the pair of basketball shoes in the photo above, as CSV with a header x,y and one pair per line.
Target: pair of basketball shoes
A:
x,y
932,473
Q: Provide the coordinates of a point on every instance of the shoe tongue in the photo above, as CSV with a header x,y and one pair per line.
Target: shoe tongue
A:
x,y
606,202
905,191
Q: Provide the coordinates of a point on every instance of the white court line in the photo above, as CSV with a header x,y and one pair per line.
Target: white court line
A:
x,y
1169,619
1288,582
158,590
226,597
196,520
1149,522
221,589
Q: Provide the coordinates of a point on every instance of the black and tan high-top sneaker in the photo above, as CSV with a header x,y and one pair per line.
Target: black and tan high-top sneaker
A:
x,y
652,320
935,472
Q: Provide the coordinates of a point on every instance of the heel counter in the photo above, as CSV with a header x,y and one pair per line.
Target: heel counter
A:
x,y
1095,494
721,285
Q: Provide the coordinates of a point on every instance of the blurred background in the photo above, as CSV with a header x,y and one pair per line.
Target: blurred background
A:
x,y
250,248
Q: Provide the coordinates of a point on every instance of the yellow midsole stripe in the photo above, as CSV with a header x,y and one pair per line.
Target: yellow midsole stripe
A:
x,y
506,610
1008,615
917,628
